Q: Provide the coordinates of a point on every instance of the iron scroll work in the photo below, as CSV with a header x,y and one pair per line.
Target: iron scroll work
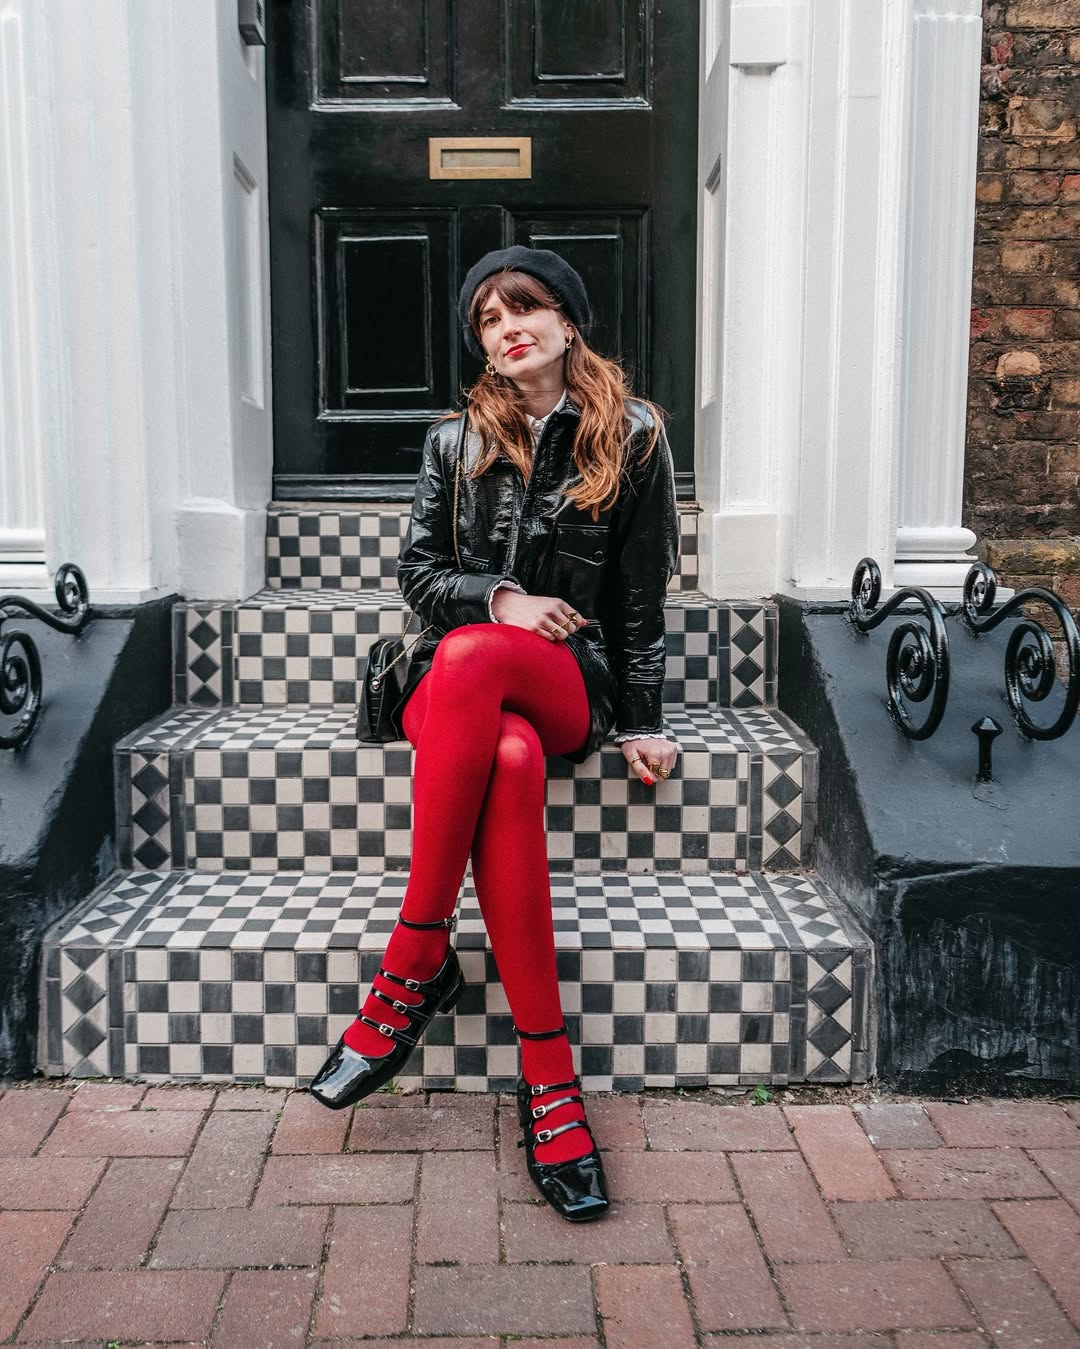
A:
x,y
917,665
1030,663
20,662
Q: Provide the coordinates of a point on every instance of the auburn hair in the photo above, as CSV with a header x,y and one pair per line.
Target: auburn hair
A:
x,y
599,388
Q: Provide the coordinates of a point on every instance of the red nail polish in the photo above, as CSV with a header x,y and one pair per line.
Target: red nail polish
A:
x,y
648,781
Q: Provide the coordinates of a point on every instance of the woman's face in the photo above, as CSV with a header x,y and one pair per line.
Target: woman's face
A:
x,y
526,345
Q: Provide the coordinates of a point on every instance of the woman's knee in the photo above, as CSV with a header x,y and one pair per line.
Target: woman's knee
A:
x,y
459,651
518,753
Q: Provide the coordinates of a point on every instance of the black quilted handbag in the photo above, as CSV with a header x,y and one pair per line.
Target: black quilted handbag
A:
x,y
384,683
386,672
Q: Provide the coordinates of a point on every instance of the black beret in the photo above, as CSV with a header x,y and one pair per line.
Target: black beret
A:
x,y
555,272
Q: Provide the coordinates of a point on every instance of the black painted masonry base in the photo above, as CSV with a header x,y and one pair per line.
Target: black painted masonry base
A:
x,y
970,892
57,809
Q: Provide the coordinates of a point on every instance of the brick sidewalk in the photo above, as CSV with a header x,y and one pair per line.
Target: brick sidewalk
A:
x,y
249,1217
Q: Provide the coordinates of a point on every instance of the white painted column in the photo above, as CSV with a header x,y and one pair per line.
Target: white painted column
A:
x,y
22,441
850,309
747,265
147,267
931,544
837,190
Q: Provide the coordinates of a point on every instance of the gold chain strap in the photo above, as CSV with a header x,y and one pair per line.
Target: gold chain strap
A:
x,y
459,457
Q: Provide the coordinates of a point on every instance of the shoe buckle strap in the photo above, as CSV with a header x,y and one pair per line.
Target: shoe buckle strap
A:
x,y
391,1032
539,1111
413,985
448,923
546,1135
541,1087
402,1008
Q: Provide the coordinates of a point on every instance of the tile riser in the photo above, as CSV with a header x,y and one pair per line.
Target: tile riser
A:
x,y
768,1003
340,806
302,655
318,548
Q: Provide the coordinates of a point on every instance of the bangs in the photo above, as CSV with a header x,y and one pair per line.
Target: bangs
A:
x,y
515,289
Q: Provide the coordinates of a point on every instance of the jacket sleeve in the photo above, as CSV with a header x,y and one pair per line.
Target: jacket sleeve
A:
x,y
433,586
646,538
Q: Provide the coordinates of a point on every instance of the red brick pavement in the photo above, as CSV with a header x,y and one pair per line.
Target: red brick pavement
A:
x,y
227,1217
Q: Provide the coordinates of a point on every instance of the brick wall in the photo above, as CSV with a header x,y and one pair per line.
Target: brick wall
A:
x,y
1022,473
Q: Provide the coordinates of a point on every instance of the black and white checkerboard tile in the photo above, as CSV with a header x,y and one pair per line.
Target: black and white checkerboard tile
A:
x,y
280,789
309,648
356,548
666,981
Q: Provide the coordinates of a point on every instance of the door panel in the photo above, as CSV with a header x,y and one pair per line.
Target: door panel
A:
x,y
573,52
611,252
367,54
368,252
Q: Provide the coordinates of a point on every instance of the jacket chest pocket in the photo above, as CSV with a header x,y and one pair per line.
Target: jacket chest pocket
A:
x,y
578,568
584,544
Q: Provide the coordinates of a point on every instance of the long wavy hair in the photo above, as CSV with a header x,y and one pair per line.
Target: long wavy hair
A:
x,y
598,386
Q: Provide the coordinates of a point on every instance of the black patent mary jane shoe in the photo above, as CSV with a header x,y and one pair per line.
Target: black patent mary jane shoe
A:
x,y
575,1189
348,1076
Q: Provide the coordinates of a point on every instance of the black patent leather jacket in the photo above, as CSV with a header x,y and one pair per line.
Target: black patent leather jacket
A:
x,y
613,570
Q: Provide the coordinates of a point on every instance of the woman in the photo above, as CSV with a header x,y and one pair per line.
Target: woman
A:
x,y
545,608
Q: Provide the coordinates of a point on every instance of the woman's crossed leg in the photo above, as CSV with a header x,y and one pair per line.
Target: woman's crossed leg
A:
x,y
497,699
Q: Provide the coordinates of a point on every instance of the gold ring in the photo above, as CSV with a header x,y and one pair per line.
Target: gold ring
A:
x,y
664,772
637,759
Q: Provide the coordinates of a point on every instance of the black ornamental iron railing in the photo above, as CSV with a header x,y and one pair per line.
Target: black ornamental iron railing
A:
x,y
1030,657
917,663
20,660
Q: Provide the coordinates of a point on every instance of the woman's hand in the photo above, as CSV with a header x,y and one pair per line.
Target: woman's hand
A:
x,y
650,758
551,618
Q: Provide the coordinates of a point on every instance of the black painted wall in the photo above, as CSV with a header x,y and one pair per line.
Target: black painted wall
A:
x,y
970,892
57,819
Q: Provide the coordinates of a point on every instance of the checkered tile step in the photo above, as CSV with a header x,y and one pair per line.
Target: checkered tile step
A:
x,y
303,648
356,547
277,789
666,981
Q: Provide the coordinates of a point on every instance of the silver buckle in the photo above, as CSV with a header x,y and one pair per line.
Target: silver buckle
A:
x,y
539,1111
402,1007
413,985
544,1136
387,1030
538,1090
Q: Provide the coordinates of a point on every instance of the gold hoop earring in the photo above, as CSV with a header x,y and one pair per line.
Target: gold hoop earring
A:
x,y
490,368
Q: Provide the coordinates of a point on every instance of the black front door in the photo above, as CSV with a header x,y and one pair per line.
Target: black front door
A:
x,y
373,223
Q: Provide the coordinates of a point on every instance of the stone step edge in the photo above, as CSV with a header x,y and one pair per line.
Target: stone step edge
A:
x,y
785,1031
729,721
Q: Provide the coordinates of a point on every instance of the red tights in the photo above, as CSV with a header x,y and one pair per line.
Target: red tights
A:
x,y
496,701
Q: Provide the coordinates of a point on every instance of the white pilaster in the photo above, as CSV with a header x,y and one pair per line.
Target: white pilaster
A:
x,y
746,264
836,220
151,265
848,387
22,440
931,544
